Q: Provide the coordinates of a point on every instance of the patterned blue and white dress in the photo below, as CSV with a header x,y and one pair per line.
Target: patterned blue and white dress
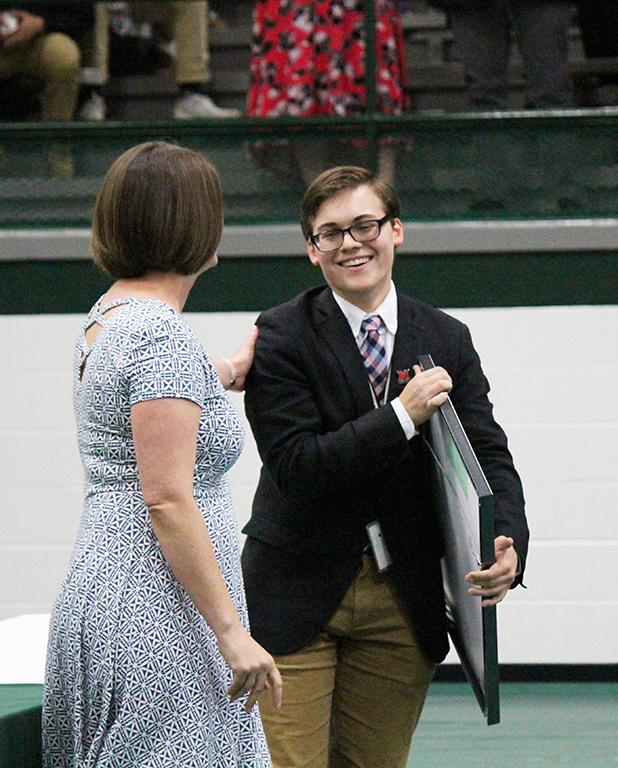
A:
x,y
134,678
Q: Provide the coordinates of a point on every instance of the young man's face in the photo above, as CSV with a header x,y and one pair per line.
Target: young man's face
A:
x,y
358,272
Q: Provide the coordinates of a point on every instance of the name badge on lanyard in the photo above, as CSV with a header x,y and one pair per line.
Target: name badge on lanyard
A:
x,y
378,546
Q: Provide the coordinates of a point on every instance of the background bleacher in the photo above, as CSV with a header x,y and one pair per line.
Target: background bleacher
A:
x,y
435,74
452,166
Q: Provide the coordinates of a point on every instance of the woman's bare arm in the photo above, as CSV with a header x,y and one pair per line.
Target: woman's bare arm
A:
x,y
165,437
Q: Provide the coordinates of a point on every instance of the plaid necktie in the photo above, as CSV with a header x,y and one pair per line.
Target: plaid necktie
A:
x,y
374,353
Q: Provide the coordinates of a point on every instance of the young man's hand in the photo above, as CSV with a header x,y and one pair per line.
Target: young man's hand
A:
x,y
425,393
494,583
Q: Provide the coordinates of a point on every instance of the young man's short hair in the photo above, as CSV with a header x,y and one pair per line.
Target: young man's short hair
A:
x,y
341,179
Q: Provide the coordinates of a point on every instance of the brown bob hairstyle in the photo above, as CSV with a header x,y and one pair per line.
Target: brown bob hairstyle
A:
x,y
333,182
160,209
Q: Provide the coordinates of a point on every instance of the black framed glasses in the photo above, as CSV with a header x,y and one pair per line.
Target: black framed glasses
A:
x,y
361,232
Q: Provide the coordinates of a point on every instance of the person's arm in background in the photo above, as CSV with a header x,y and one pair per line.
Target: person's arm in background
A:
x,y
35,20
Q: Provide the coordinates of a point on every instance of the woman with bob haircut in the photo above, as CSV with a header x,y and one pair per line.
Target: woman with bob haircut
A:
x,y
150,662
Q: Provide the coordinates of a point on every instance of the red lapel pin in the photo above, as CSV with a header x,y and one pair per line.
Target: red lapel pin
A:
x,y
403,376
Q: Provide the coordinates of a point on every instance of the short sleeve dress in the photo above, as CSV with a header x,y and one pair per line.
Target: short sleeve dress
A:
x,y
134,678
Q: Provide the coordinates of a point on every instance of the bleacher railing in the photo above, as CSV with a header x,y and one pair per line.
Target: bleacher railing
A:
x,y
448,168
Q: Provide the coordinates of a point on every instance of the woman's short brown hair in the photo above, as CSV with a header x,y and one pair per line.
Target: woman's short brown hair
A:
x,y
160,209
333,182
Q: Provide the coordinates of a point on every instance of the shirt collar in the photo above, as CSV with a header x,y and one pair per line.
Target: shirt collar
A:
x,y
355,316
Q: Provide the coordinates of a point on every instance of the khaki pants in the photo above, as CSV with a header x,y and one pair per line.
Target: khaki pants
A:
x,y
184,21
56,59
354,695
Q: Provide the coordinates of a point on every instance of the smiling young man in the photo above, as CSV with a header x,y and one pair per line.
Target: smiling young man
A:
x,y
342,558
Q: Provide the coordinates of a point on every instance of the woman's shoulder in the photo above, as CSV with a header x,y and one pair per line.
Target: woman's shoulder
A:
x,y
140,325
154,345
149,318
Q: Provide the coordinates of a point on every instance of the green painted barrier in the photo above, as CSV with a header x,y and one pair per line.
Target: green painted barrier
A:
x,y
455,167
20,726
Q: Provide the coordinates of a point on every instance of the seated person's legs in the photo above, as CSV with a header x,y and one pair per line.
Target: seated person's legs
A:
x,y
598,21
186,23
190,31
60,62
55,58
95,60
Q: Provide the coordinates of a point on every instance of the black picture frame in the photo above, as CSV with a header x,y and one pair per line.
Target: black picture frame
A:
x,y
466,512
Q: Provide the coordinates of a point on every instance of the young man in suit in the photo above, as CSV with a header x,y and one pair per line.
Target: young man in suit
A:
x,y
356,639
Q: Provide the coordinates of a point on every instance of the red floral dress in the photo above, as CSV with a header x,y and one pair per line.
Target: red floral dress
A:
x,y
307,58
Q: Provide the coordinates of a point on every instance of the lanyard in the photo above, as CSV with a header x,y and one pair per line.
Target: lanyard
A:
x,y
384,398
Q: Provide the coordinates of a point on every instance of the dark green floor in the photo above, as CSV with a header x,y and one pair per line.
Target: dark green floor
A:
x,y
554,725
563,725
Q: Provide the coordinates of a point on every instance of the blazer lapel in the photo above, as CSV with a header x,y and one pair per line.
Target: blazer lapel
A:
x,y
335,329
406,349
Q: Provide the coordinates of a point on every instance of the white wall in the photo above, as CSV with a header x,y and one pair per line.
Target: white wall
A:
x,y
553,373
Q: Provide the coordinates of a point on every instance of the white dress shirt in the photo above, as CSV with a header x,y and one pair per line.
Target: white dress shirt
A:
x,y
388,312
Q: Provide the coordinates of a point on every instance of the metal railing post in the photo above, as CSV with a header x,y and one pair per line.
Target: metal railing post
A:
x,y
371,72
371,59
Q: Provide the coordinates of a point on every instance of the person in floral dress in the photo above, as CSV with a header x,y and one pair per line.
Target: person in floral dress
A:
x,y
308,58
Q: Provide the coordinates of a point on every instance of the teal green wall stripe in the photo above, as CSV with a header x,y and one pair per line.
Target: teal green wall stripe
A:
x,y
251,284
20,725
511,280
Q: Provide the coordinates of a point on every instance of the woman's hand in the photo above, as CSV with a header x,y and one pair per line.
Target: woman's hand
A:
x,y
241,361
254,668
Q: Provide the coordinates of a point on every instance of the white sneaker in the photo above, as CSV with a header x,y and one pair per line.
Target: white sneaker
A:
x,y
93,109
199,105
